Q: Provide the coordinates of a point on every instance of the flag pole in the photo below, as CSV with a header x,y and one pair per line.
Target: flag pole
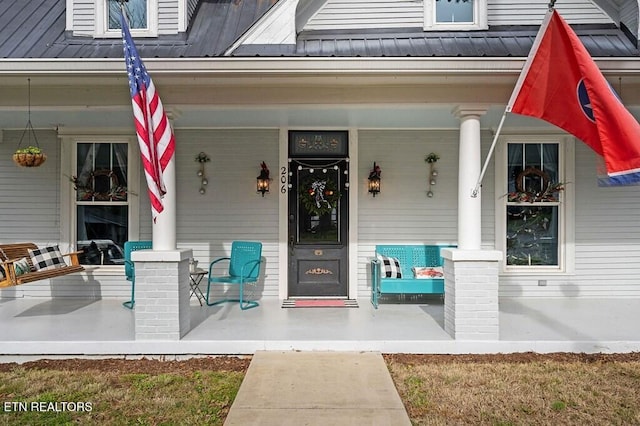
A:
x,y
516,89
475,191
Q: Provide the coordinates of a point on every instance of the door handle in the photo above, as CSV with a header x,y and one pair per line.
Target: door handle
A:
x,y
292,241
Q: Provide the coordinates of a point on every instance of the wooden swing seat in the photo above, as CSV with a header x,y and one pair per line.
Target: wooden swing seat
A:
x,y
17,251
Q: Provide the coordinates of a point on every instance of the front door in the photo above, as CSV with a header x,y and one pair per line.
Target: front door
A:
x,y
318,214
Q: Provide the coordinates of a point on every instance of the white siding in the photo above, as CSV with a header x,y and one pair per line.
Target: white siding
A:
x,y
191,8
84,17
346,14
362,14
29,208
402,213
167,16
531,12
231,209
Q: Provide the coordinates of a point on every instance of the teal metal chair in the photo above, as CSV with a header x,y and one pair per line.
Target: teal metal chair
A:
x,y
244,268
129,267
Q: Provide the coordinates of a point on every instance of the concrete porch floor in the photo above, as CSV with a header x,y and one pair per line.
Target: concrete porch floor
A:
x,y
38,328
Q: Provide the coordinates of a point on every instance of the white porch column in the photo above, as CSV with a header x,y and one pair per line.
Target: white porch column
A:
x,y
471,275
469,166
471,309
162,294
164,229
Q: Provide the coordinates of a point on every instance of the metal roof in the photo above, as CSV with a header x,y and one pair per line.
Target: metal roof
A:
x,y
506,41
36,29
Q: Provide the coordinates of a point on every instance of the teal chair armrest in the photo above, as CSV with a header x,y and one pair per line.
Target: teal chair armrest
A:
x,y
252,262
216,261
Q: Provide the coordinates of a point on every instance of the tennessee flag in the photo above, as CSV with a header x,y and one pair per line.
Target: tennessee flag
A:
x,y
561,84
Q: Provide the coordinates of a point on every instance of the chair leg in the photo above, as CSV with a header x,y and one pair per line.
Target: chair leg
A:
x,y
217,302
131,303
244,305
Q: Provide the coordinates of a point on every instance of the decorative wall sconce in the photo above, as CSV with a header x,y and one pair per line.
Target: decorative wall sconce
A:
x,y
431,160
202,158
374,179
263,180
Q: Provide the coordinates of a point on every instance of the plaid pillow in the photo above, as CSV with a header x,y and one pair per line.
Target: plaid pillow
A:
x,y
3,257
391,267
47,258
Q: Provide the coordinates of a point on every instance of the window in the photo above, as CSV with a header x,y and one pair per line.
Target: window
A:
x,y
142,16
454,11
101,200
455,14
532,227
136,12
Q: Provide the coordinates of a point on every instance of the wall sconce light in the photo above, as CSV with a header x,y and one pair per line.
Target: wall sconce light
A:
x,y
374,179
263,180
202,158
431,160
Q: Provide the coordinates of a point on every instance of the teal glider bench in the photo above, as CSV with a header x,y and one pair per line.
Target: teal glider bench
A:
x,y
407,269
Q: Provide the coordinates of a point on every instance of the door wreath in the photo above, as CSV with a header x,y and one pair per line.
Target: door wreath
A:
x,y
318,196
547,190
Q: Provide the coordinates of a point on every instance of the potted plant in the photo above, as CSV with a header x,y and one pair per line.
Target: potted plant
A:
x,y
31,156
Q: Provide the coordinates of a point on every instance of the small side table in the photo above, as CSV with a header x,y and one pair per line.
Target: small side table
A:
x,y
195,277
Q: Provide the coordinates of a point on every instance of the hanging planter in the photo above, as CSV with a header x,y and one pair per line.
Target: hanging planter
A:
x,y
31,156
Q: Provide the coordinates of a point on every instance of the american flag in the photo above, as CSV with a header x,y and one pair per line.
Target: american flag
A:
x,y
155,136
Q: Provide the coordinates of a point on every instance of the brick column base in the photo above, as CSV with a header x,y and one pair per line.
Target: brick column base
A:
x,y
162,294
471,294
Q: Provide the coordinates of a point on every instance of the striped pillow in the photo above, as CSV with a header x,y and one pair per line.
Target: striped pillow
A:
x,y
21,266
390,266
47,258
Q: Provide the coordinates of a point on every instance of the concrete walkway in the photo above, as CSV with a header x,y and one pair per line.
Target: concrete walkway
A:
x,y
317,388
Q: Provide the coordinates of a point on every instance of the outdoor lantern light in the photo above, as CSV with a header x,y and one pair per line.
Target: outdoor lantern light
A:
x,y
262,181
374,179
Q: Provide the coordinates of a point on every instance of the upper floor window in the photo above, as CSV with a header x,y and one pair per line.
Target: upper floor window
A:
x,y
142,16
455,14
136,12
454,11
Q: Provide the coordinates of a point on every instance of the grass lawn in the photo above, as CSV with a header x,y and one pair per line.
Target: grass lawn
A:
x,y
519,389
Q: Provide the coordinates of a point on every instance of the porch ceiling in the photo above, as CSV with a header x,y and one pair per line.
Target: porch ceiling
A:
x,y
380,93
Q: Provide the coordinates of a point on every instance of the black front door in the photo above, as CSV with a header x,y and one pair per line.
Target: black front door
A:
x,y
318,218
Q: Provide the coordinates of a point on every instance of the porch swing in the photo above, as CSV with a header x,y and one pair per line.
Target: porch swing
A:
x,y
25,262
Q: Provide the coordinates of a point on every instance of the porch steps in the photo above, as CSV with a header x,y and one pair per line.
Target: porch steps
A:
x,y
317,388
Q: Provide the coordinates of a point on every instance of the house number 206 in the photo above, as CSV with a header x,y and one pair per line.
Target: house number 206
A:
x,y
283,180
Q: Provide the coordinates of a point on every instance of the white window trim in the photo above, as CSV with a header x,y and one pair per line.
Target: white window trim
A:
x,y
67,193
480,20
102,26
567,210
